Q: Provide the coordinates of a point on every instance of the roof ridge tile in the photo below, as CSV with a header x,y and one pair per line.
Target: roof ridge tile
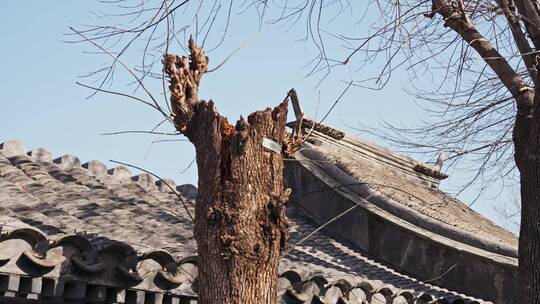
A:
x,y
95,167
12,148
145,180
120,172
40,155
67,161
164,184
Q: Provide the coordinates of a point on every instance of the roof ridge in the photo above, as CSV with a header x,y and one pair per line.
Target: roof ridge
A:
x,y
413,168
13,148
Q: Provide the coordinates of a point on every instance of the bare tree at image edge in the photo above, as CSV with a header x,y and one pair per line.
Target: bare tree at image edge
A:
x,y
526,131
240,224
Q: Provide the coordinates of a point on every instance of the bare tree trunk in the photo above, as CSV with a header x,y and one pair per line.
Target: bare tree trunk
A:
x,y
527,155
528,161
529,238
240,225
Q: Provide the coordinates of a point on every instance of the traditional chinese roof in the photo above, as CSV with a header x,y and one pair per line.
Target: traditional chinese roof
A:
x,y
390,208
396,177
72,231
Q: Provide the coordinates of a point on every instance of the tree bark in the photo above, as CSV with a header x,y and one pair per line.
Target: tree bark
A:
x,y
526,138
240,225
529,238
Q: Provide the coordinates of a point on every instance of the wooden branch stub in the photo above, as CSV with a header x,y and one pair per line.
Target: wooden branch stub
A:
x,y
185,73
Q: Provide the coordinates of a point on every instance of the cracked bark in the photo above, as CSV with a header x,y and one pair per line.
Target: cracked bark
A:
x,y
240,225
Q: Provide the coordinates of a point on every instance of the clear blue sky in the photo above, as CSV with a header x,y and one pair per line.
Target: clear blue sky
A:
x,y
43,107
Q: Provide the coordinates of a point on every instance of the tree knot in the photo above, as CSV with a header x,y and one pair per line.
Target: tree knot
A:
x,y
239,141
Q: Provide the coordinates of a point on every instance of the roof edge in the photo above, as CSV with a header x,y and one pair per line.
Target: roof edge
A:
x,y
15,148
426,255
388,208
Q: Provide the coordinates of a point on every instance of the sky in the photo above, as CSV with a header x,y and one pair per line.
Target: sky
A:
x,y
42,106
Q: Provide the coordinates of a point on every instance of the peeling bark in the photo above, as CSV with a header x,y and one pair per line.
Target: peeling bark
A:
x,y
240,224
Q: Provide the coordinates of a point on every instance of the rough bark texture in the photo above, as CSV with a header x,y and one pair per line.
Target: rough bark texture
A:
x,y
529,241
240,225
527,155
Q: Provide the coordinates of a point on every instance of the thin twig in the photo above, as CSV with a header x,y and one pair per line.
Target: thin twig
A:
x,y
180,198
116,59
139,132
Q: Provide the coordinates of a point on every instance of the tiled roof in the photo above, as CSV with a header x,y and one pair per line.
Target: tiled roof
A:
x,y
379,201
74,231
394,176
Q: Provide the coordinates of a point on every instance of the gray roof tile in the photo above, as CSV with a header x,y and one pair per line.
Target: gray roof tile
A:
x,y
87,213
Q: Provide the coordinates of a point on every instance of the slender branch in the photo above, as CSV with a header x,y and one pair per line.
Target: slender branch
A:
x,y
116,59
461,24
139,132
180,198
117,93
